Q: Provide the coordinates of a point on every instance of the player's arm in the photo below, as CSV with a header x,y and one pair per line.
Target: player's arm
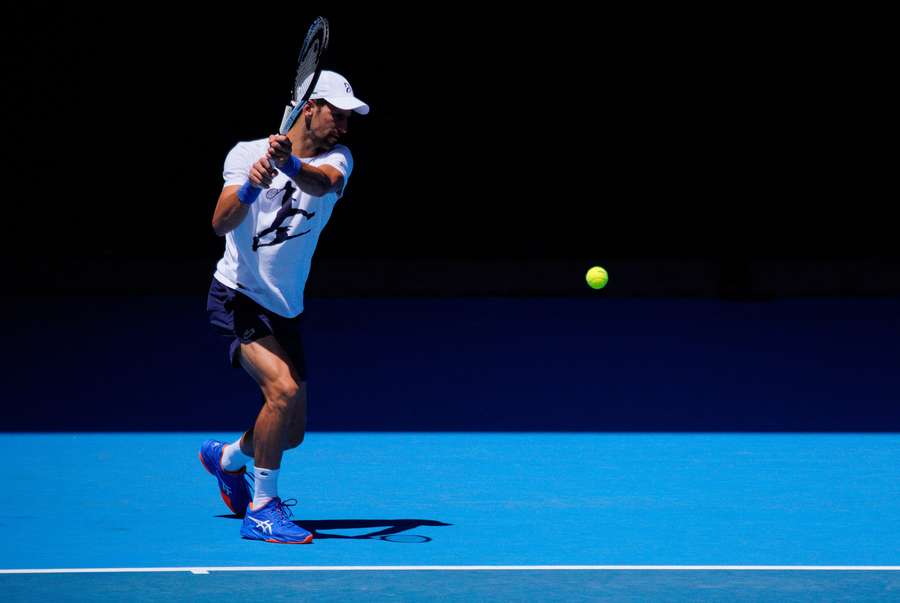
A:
x,y
312,180
229,211
235,201
318,181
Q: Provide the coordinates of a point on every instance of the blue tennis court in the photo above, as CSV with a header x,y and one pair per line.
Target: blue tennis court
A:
x,y
128,501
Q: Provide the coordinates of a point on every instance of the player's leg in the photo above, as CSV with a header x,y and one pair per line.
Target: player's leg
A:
x,y
284,408
296,432
238,454
269,365
297,428
289,332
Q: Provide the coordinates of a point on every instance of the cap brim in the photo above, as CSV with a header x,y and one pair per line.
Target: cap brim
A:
x,y
349,103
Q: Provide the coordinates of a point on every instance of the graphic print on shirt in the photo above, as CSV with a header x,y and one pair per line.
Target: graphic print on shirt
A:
x,y
286,211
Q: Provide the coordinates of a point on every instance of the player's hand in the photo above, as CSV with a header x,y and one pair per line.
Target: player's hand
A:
x,y
261,173
279,149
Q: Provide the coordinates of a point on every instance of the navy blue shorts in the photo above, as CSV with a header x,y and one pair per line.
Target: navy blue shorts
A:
x,y
242,320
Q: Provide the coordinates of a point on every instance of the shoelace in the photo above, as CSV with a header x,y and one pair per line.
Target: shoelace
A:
x,y
283,507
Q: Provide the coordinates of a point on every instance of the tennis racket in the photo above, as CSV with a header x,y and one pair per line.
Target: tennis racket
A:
x,y
309,66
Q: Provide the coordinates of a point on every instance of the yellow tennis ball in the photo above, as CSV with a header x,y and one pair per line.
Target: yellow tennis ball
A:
x,y
597,277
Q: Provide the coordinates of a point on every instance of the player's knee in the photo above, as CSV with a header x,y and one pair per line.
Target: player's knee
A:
x,y
284,395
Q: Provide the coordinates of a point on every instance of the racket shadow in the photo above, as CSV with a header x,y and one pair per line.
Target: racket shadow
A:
x,y
393,530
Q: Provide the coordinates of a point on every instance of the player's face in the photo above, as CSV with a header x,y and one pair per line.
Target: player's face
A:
x,y
329,124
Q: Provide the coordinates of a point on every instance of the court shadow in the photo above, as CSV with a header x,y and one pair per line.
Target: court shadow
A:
x,y
393,530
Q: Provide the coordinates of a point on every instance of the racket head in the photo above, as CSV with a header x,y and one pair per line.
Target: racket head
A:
x,y
309,66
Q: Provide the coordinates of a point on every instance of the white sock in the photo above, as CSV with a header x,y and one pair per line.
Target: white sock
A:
x,y
232,457
265,486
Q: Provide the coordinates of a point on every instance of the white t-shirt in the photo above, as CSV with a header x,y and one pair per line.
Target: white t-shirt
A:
x,y
268,256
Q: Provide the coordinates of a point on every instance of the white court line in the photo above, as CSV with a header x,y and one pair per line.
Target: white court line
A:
x,y
416,568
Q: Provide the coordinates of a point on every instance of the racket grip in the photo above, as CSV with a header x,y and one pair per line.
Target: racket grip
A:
x,y
273,169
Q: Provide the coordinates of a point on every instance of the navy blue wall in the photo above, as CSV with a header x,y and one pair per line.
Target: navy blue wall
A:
x,y
592,363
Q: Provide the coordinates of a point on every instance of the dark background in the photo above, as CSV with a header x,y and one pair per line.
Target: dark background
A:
x,y
738,158
569,137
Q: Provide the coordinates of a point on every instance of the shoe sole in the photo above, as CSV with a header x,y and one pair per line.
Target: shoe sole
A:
x,y
224,496
307,540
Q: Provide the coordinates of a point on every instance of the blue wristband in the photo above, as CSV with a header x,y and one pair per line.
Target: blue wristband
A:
x,y
248,193
291,167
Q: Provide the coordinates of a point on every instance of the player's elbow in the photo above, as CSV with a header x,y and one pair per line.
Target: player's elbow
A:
x,y
219,227
320,185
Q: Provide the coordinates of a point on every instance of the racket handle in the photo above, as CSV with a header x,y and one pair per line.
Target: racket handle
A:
x,y
273,169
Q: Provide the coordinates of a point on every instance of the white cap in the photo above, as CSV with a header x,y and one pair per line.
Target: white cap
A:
x,y
334,88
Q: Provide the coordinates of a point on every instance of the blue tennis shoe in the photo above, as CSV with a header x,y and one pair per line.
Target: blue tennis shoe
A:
x,y
272,523
232,484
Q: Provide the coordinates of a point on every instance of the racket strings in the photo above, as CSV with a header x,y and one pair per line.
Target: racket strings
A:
x,y
305,71
308,65
313,47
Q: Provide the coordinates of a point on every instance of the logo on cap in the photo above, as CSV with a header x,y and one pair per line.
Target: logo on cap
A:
x,y
349,89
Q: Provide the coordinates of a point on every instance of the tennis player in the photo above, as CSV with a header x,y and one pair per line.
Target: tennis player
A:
x,y
271,220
